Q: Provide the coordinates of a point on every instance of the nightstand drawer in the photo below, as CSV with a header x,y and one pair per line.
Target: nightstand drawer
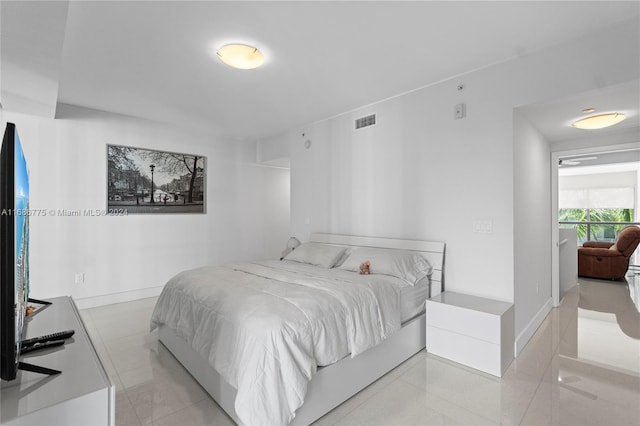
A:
x,y
465,350
464,321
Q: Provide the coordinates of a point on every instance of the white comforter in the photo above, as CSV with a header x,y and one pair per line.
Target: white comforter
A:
x,y
267,326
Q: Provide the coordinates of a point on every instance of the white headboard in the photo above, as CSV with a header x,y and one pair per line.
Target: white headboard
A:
x,y
433,251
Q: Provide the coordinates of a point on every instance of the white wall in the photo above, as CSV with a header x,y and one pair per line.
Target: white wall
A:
x,y
247,211
418,173
532,228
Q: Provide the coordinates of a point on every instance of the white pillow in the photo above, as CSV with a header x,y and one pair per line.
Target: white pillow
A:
x,y
407,265
317,254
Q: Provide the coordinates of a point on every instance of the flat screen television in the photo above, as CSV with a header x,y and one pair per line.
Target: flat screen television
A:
x,y
14,263
14,249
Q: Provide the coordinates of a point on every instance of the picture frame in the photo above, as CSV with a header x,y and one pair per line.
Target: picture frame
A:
x,y
147,181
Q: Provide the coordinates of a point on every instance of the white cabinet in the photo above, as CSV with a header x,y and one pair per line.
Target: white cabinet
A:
x,y
81,395
470,330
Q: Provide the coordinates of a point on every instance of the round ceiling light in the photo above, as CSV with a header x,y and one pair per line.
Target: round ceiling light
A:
x,y
241,56
599,121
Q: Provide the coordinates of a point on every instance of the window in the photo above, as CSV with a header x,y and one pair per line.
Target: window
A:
x,y
597,198
587,229
598,201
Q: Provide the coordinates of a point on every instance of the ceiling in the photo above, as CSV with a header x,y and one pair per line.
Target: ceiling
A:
x,y
156,60
553,118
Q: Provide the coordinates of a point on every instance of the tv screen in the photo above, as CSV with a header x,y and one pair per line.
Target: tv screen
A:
x,y
14,249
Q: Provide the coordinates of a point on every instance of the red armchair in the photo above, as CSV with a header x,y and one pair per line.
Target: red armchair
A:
x,y
608,260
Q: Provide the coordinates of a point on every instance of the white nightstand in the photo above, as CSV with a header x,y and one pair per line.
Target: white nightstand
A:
x,y
471,330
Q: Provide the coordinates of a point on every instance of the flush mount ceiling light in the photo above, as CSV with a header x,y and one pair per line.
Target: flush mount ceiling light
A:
x,y
241,56
599,121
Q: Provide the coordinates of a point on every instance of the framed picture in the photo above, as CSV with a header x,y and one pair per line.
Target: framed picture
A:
x,y
148,181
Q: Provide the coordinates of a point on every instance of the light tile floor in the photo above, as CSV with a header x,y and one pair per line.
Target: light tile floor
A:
x,y
582,367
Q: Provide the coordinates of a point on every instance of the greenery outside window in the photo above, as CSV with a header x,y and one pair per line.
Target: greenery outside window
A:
x,y
595,231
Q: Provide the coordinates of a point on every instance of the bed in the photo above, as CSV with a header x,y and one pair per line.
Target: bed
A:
x,y
285,342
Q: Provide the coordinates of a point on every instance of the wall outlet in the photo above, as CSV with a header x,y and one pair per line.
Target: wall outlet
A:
x,y
79,278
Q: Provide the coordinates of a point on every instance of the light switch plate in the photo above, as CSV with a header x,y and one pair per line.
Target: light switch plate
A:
x,y
483,226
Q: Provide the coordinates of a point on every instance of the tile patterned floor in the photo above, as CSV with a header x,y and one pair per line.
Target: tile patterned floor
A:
x,y
582,367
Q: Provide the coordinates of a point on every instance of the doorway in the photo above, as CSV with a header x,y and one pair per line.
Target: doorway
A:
x,y
596,159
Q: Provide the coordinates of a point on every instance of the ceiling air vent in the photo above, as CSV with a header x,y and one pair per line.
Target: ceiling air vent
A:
x,y
369,120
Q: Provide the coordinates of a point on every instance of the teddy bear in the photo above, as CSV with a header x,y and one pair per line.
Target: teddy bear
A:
x,y
364,268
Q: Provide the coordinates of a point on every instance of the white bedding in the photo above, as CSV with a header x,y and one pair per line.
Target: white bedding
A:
x,y
267,326
412,299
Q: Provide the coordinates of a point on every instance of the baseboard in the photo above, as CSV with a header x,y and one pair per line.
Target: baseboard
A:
x,y
109,299
528,332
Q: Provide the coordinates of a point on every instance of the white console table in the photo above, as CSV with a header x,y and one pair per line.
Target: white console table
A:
x,y
470,330
81,395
